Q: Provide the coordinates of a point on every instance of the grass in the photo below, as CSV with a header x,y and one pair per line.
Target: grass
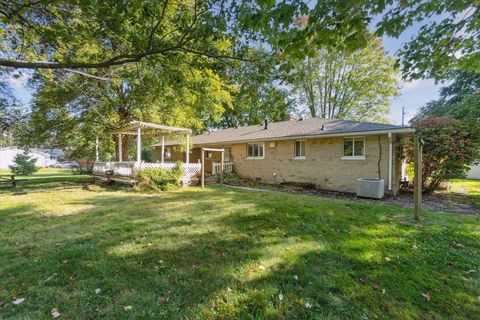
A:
x,y
44,178
470,187
227,253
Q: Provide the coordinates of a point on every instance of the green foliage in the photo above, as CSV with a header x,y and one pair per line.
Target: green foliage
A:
x,y
447,42
354,86
259,94
460,100
23,164
147,154
159,179
450,147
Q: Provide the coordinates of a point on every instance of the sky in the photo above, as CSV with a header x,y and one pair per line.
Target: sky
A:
x,y
413,95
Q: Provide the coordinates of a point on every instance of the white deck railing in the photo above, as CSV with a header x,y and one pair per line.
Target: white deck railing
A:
x,y
227,167
127,169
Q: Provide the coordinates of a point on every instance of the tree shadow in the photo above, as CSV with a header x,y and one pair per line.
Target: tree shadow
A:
x,y
223,253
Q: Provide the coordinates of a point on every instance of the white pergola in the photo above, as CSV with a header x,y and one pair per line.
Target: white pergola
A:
x,y
140,128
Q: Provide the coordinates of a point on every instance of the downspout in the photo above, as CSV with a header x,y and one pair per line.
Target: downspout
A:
x,y
390,160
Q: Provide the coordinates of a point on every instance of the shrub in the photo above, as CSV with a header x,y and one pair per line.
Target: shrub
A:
x,y
450,147
83,167
159,179
24,164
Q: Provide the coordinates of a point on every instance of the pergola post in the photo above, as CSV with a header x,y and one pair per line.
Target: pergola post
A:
x,y
163,149
390,160
120,158
203,168
187,153
96,149
417,180
139,146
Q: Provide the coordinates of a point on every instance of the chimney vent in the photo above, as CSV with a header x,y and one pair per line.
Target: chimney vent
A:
x,y
265,124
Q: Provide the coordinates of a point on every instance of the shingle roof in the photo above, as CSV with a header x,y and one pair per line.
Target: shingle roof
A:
x,y
289,129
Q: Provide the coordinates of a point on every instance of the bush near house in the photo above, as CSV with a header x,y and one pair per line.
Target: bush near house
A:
x,y
158,179
23,164
450,147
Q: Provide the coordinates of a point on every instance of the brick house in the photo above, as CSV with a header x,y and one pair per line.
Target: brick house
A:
x,y
331,154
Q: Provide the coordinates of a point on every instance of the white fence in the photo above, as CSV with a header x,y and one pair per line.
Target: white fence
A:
x,y
217,167
127,169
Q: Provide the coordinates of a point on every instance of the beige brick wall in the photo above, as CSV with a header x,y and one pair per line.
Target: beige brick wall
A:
x,y
323,165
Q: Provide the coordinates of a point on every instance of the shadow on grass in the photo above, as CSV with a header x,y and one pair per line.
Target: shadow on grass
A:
x,y
231,254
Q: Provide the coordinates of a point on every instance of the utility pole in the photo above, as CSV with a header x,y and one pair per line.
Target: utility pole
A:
x,y
403,116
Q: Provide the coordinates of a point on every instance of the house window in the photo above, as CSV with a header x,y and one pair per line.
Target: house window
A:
x,y
168,153
299,149
255,150
354,148
227,154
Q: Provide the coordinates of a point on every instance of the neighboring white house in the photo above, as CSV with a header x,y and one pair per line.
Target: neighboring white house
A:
x,y
474,172
7,155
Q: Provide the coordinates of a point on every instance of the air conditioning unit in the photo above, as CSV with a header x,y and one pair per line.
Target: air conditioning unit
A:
x,y
370,188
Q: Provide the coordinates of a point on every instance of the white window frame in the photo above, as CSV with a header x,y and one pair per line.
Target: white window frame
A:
x,y
353,157
295,157
255,157
229,153
167,153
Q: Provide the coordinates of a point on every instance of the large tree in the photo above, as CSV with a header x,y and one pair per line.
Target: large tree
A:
x,y
259,94
98,34
337,85
68,110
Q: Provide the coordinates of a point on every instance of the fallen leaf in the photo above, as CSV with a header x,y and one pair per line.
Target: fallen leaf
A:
x,y
55,313
471,271
2,303
98,290
18,301
414,246
280,297
65,261
376,287
426,296
162,299
308,305
361,280
295,277
228,289
126,308
388,259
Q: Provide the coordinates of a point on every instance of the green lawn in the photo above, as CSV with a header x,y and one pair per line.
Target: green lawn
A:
x,y
227,253
44,178
469,186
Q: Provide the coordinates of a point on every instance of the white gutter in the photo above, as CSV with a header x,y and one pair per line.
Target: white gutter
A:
x,y
390,161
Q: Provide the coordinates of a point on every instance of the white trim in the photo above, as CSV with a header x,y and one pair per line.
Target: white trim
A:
x,y
353,158
300,158
362,157
295,149
255,158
